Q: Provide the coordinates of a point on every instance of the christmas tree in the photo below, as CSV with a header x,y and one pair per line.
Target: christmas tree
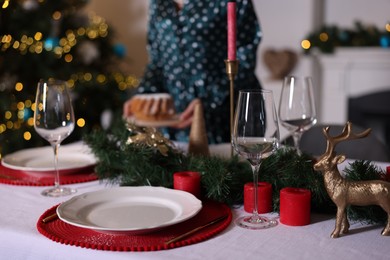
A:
x,y
55,38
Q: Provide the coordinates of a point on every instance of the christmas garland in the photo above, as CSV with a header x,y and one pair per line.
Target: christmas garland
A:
x,y
133,156
329,37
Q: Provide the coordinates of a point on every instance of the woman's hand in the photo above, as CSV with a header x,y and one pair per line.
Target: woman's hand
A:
x,y
187,116
127,108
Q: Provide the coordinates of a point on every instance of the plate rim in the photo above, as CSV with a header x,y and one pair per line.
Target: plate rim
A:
x,y
160,123
149,191
6,161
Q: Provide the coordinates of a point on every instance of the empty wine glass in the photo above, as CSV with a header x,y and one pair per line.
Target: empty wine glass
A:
x,y
54,121
297,111
255,137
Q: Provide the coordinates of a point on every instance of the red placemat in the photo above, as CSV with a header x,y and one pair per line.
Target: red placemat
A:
x,y
64,233
17,177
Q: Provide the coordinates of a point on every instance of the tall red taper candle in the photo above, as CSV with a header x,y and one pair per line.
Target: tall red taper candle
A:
x,y
232,30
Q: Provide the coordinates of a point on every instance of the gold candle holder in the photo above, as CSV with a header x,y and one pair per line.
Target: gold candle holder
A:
x,y
231,71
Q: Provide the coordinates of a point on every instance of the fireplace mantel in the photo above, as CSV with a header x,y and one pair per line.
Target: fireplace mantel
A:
x,y
349,72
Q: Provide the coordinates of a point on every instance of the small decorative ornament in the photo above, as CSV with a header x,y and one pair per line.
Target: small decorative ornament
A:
x,y
88,52
120,50
51,42
148,136
198,143
280,63
7,80
29,5
384,41
344,192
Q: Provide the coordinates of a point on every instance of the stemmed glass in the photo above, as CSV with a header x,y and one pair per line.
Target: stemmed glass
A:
x,y
296,108
54,121
255,137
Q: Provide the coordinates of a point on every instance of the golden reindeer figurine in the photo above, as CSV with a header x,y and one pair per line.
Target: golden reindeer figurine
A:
x,y
344,192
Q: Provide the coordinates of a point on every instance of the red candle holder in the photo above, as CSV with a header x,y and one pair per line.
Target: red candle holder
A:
x,y
295,206
264,197
187,181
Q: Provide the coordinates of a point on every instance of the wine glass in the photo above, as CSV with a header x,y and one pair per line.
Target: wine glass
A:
x,y
54,121
255,137
297,111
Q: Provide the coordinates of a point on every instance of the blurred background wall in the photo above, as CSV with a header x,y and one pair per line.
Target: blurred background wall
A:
x,y
285,24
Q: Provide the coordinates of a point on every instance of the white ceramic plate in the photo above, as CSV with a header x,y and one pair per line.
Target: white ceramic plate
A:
x,y
221,150
129,210
71,158
160,123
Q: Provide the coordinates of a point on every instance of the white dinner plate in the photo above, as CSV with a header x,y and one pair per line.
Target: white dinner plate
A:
x,y
129,210
71,158
158,123
220,150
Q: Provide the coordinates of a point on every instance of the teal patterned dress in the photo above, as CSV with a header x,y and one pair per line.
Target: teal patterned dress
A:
x,y
187,49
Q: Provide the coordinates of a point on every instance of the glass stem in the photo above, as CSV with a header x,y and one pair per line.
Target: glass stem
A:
x,y
255,170
56,146
297,139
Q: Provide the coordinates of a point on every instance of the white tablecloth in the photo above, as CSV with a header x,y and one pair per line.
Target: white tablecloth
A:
x,y
20,208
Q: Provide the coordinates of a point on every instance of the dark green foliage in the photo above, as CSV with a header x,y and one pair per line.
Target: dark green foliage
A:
x,y
359,171
359,36
287,169
223,179
92,69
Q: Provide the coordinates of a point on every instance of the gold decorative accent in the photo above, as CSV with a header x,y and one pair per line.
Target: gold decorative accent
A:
x,y
344,192
173,240
50,218
231,71
198,143
148,136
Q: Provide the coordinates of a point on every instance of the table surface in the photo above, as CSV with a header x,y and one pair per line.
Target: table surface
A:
x,y
21,207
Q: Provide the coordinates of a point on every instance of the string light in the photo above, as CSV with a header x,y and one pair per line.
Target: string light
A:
x,y
305,44
8,115
80,122
19,86
324,37
5,4
37,44
2,128
27,135
25,109
21,112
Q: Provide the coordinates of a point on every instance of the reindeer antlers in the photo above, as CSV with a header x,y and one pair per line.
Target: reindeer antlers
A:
x,y
346,134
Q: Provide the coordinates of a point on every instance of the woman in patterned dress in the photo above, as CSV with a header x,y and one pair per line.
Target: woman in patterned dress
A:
x,y
187,46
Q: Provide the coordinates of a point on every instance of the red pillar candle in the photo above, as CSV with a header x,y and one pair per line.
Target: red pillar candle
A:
x,y
232,30
295,206
264,197
187,181
388,173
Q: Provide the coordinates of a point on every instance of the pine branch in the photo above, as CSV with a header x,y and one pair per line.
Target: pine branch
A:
x,y
223,179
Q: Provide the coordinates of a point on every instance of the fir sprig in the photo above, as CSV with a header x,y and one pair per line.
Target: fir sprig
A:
x,y
287,169
223,179
359,171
